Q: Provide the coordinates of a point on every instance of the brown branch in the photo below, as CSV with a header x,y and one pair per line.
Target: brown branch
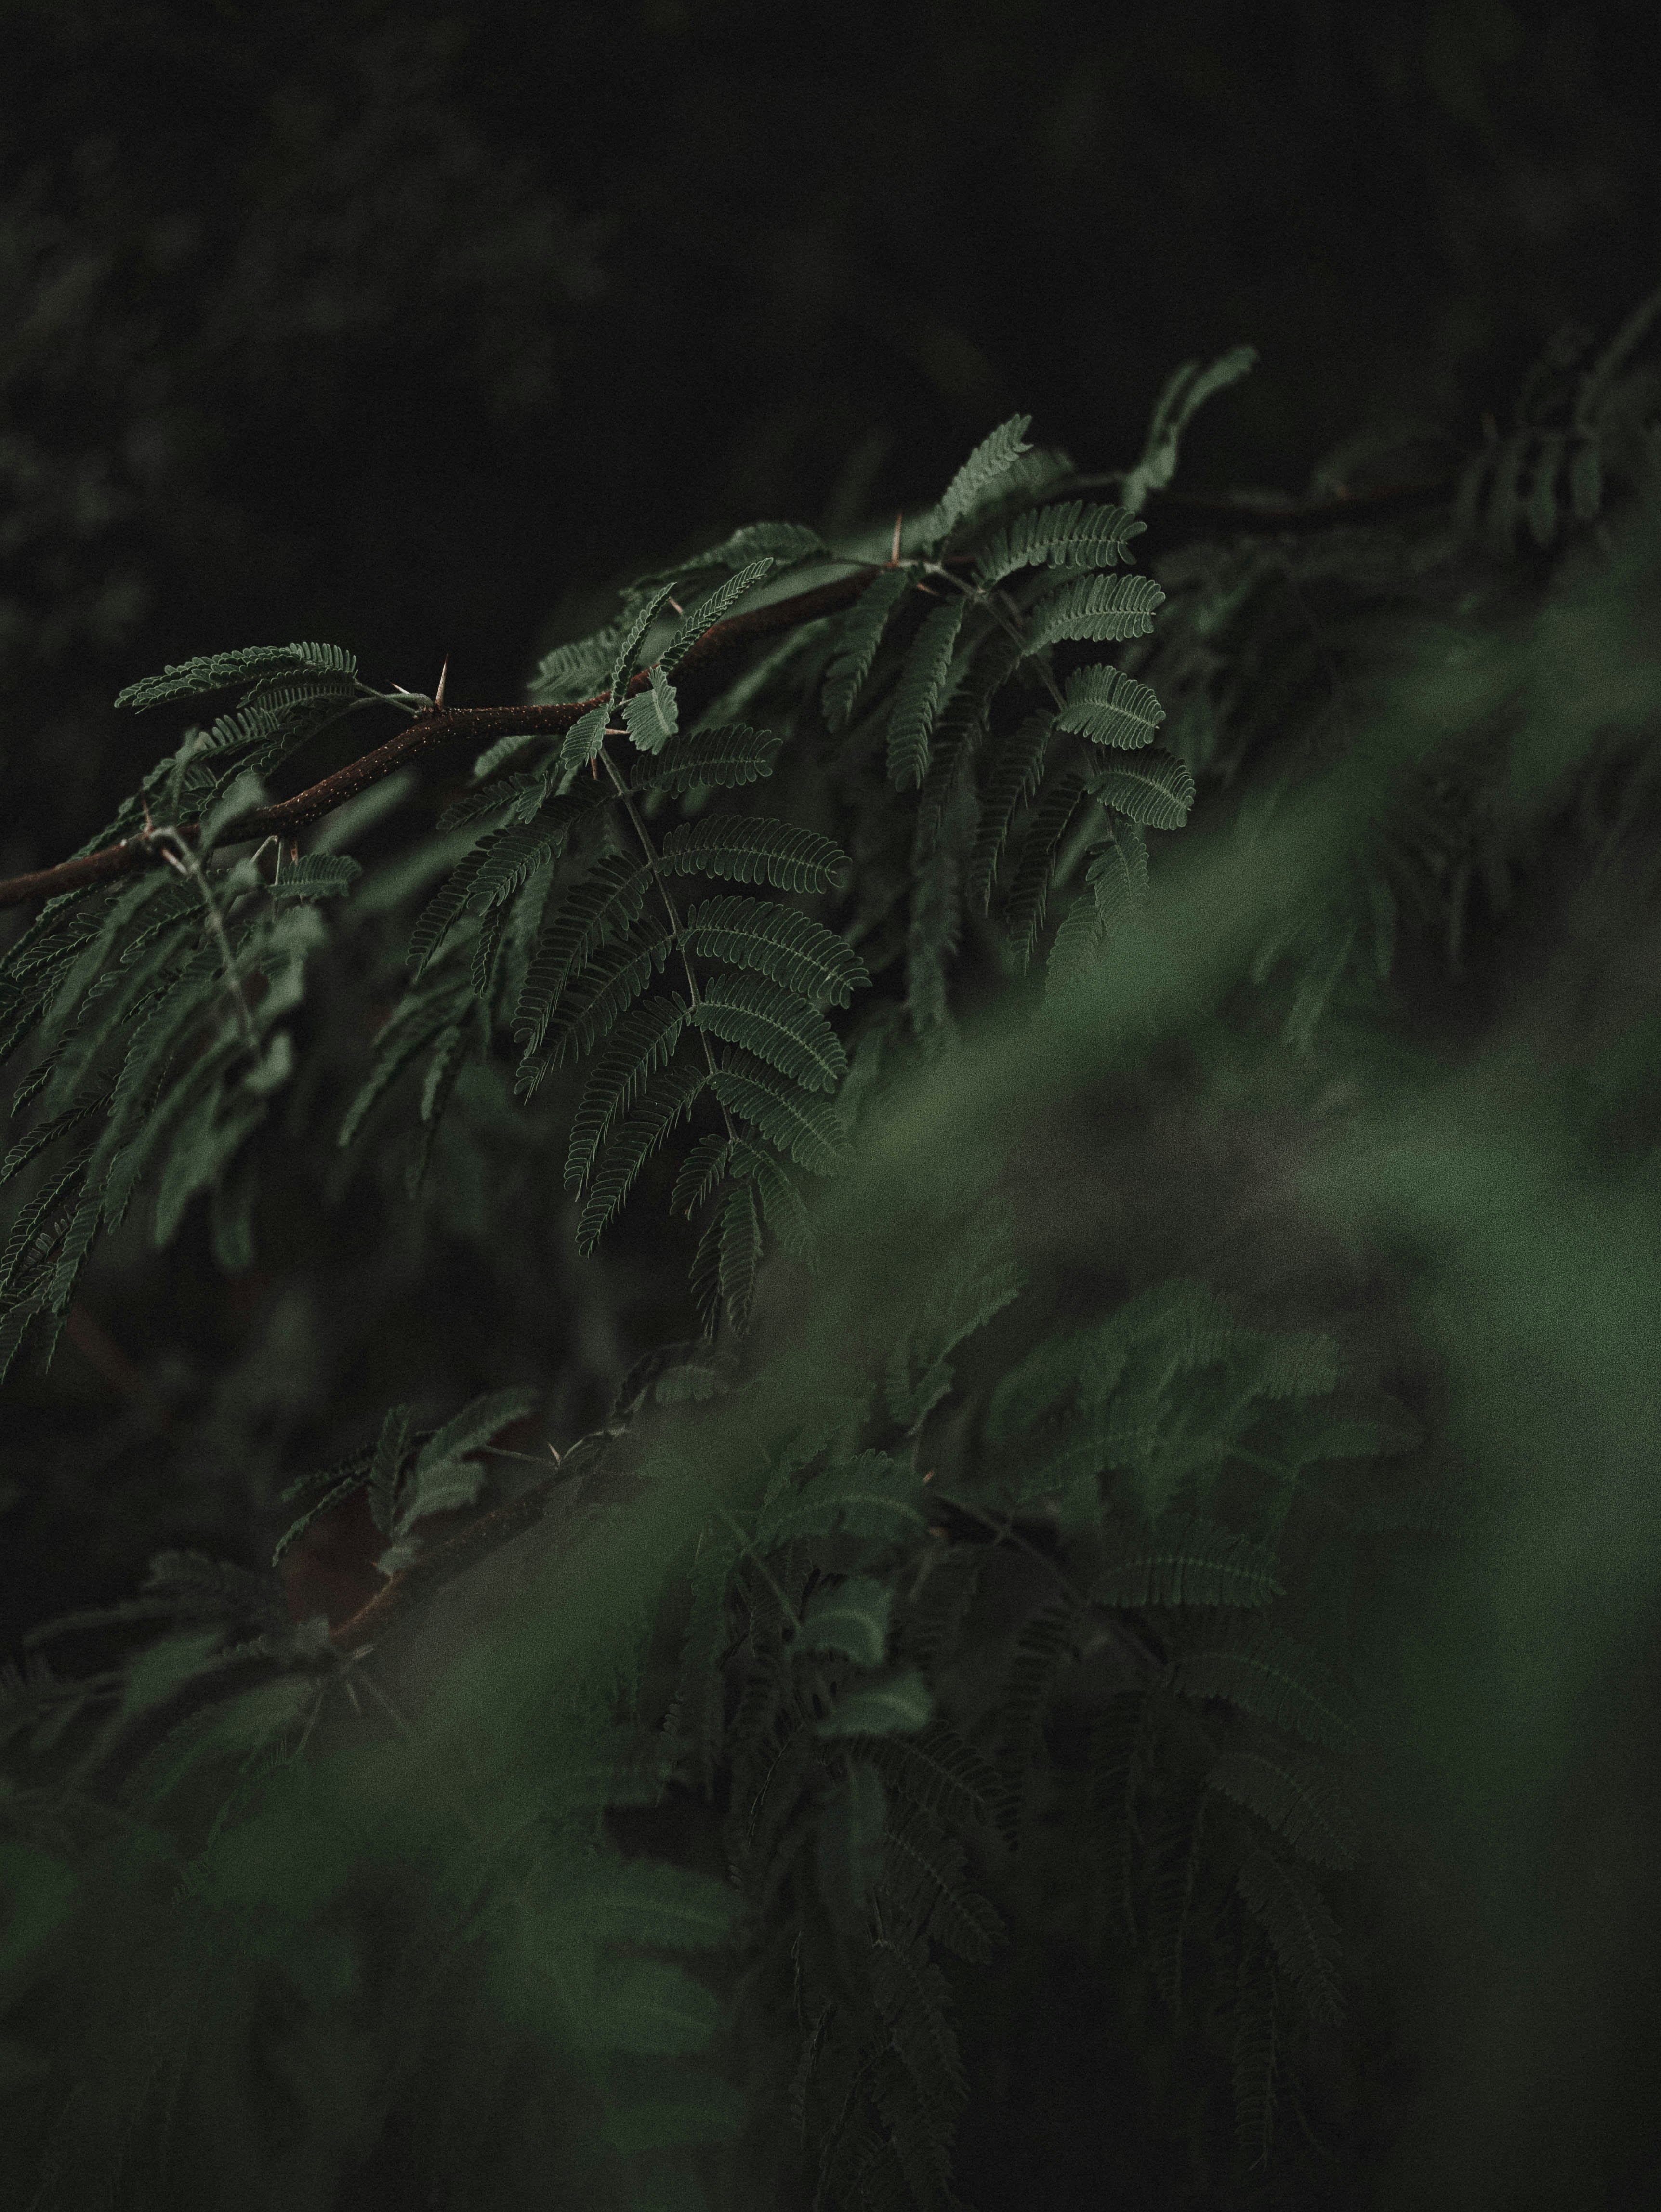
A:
x,y
1181,517
479,725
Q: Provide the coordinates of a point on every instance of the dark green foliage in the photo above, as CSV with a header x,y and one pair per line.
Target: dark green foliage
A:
x,y
947,1596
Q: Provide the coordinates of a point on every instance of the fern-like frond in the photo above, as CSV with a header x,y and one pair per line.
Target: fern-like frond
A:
x,y
442,913
1295,1799
668,1099
925,1862
1024,910
1103,609
1076,534
752,848
217,671
643,1041
1300,1923
857,639
990,460
918,692
874,1496
608,986
792,950
714,607
700,1171
775,1026
939,1773
1015,775
741,1254
1154,788
320,875
606,901
1109,707
805,1128
731,753
652,716
411,1028
1258,1667
1187,1560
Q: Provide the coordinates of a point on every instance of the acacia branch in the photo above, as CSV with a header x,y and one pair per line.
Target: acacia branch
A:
x,y
446,726
480,726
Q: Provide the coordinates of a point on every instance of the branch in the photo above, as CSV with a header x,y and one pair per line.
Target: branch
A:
x,y
480,726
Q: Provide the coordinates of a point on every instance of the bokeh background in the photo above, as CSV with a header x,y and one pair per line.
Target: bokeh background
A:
x,y
418,329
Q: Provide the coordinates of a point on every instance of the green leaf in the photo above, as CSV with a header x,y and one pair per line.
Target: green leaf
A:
x,y
730,754
478,1421
217,671
988,461
442,913
320,875
775,1025
857,640
1105,608
918,693
1263,1671
585,737
1015,775
640,620
605,904
900,1707
805,1128
740,1255
201,1146
1186,1561
852,1618
791,949
243,795
652,716
643,1041
754,848
670,1097
608,986
663,1907
1109,707
1185,392
392,1447
940,1774
411,1027
1074,535
1024,910
1300,1926
700,1171
1154,788
1297,1803
714,607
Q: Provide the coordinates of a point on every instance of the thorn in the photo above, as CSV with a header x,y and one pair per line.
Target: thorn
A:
x,y
893,558
594,770
438,695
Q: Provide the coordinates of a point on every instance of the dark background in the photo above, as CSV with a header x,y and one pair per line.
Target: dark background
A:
x,y
418,329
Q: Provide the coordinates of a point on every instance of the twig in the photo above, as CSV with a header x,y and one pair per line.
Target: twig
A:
x,y
443,726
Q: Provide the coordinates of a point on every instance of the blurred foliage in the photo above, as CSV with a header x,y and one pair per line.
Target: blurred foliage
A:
x,y
1181,1565
406,328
